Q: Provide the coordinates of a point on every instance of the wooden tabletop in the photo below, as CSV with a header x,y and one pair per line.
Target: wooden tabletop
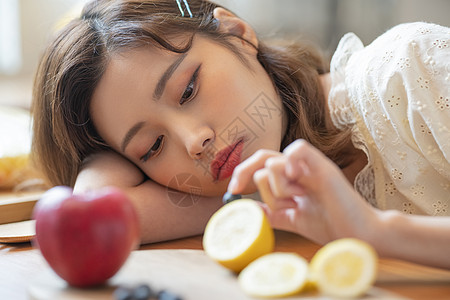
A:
x,y
21,263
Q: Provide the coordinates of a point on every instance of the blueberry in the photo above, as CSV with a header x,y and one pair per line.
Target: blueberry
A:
x,y
142,292
228,197
165,295
123,293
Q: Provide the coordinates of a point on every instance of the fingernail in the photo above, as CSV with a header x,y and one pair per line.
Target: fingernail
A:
x,y
233,185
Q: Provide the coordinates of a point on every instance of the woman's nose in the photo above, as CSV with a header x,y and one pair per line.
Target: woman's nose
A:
x,y
198,143
196,136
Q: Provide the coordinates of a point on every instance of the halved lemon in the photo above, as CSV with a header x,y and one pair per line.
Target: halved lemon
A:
x,y
276,274
15,147
237,234
344,268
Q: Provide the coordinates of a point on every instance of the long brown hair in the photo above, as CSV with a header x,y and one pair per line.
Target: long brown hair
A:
x,y
72,65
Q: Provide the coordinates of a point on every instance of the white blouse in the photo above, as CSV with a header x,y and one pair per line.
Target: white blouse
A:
x,y
395,96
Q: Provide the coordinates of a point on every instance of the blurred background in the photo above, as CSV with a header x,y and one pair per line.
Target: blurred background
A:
x,y
25,27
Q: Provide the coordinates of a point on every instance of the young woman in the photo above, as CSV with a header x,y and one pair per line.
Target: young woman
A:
x,y
163,96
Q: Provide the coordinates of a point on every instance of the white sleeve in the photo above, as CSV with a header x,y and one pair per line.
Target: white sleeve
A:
x,y
428,88
399,87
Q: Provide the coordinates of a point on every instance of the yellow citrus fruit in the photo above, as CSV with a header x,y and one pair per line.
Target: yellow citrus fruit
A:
x,y
15,147
237,234
275,274
344,268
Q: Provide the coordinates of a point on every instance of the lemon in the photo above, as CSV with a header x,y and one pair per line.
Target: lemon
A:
x,y
15,147
344,268
275,274
237,234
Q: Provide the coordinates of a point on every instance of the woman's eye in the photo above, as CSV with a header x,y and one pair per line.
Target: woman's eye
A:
x,y
190,88
187,93
154,150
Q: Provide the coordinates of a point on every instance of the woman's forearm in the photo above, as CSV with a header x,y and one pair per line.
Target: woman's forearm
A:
x,y
162,213
420,239
166,216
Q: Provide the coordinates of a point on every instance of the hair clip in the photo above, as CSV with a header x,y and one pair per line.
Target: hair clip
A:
x,y
182,10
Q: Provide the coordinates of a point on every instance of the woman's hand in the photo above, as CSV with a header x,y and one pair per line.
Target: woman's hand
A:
x,y
306,193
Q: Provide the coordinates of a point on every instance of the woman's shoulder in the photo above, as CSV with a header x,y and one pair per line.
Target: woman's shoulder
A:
x,y
417,28
402,34
409,55
408,47
419,35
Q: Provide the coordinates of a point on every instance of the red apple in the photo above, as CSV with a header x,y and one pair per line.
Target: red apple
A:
x,y
85,238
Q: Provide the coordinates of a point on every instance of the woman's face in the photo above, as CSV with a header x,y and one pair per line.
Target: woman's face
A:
x,y
197,114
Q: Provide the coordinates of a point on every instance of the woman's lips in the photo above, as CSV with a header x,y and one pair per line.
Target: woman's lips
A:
x,y
226,160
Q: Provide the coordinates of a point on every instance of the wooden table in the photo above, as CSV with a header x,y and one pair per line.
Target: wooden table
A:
x,y
21,263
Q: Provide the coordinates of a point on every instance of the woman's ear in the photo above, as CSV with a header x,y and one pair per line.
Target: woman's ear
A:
x,y
230,23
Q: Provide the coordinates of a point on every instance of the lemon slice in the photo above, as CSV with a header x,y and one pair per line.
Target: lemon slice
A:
x,y
344,268
276,274
237,234
15,146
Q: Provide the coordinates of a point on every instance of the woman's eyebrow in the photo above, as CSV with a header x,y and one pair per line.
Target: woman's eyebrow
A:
x,y
130,134
159,90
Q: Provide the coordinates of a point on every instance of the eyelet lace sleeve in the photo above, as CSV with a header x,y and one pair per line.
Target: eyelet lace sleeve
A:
x,y
394,95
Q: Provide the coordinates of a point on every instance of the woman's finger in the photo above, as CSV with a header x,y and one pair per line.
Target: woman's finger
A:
x,y
284,219
302,150
306,165
294,189
279,204
284,203
243,173
277,176
261,179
